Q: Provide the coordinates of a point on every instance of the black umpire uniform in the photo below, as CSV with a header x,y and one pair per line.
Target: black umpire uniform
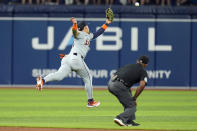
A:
x,y
120,84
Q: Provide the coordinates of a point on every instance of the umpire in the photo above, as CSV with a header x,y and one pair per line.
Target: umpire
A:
x,y
120,84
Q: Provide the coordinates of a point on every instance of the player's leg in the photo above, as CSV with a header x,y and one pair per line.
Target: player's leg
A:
x,y
62,72
85,74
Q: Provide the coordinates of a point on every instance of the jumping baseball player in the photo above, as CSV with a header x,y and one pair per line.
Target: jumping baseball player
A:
x,y
74,61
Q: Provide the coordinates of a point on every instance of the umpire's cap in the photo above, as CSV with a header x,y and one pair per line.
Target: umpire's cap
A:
x,y
81,25
143,59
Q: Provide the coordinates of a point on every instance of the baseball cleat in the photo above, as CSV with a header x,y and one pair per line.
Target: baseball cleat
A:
x,y
132,123
93,104
119,122
40,83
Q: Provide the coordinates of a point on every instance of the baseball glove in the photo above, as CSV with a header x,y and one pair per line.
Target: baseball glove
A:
x,y
109,14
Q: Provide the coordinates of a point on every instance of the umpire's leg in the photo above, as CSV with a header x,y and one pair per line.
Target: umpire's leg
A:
x,y
125,98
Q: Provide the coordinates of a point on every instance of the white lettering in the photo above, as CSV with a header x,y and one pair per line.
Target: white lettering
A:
x,y
99,73
151,42
167,73
117,38
42,72
151,74
44,46
100,46
102,73
134,39
158,74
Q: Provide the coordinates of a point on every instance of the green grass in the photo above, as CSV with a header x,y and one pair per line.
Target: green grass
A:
x,y
171,110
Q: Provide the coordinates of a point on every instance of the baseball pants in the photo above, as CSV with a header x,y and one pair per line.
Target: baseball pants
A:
x,y
124,95
73,62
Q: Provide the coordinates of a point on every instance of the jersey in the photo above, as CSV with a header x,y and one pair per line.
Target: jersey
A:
x,y
81,43
132,74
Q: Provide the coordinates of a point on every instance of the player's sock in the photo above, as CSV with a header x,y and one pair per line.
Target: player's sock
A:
x,y
43,81
90,100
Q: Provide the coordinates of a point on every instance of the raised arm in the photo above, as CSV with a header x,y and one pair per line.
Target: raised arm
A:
x,y
102,29
74,27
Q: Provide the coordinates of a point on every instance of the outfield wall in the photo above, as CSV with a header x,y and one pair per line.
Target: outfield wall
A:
x,y
33,36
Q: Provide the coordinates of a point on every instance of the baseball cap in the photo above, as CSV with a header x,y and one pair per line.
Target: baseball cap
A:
x,y
81,25
143,59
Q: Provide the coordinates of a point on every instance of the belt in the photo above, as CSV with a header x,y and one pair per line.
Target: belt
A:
x,y
116,78
77,54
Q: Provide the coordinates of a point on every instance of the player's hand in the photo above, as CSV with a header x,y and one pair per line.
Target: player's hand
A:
x,y
73,20
108,21
135,102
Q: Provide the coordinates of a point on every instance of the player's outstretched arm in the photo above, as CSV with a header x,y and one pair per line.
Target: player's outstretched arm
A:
x,y
102,29
110,17
74,27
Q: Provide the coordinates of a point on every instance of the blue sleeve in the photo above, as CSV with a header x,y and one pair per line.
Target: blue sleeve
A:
x,y
98,32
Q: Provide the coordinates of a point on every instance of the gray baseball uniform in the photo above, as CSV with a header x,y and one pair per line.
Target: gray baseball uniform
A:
x,y
74,61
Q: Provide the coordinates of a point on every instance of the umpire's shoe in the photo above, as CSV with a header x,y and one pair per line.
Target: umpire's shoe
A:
x,y
119,122
132,123
40,83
